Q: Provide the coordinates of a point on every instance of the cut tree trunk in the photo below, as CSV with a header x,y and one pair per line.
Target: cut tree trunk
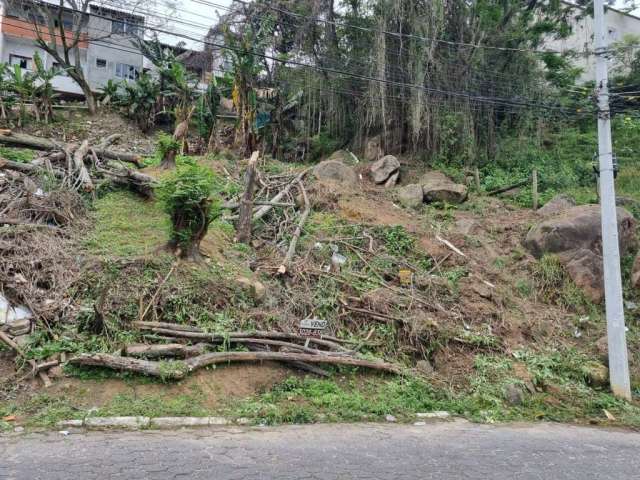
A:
x,y
178,370
246,204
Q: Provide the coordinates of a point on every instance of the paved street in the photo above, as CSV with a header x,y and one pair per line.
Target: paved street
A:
x,y
457,450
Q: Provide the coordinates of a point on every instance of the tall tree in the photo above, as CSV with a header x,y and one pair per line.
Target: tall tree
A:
x,y
61,31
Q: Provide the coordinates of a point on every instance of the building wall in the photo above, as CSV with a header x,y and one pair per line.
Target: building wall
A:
x,y
114,49
18,38
619,25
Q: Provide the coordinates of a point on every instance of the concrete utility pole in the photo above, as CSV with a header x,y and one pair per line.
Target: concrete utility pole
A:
x,y
617,341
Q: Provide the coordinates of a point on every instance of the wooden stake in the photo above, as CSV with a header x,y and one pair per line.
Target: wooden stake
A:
x,y
476,177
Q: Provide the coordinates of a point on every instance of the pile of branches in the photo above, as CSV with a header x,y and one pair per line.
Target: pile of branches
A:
x,y
191,348
79,167
37,264
284,194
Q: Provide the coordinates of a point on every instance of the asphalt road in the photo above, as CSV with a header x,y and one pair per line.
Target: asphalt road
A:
x,y
456,450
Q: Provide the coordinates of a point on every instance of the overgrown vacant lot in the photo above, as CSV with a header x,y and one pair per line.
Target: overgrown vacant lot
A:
x,y
479,328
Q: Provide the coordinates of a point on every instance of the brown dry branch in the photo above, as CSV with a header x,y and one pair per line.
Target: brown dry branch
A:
x,y
197,334
179,370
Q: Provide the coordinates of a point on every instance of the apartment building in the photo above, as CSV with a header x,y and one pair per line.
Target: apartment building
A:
x,y
106,51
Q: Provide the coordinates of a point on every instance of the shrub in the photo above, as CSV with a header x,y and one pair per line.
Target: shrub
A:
x,y
186,195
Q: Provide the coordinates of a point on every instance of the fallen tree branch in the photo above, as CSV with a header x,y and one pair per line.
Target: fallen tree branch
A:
x,y
500,190
177,370
21,140
168,350
450,245
26,167
219,338
34,366
296,235
267,208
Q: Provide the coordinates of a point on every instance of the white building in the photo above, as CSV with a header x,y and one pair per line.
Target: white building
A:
x,y
620,25
106,51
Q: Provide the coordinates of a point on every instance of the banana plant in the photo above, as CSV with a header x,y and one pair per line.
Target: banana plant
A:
x,y
110,93
22,84
140,100
5,93
43,93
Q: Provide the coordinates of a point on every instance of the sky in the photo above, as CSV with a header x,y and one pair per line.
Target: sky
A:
x,y
194,17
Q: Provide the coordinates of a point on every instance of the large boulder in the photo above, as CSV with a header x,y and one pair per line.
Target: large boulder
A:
x,y
384,168
576,228
344,156
411,196
335,171
556,205
437,187
574,235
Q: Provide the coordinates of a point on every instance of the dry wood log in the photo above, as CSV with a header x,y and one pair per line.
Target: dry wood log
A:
x,y
167,350
122,156
109,140
255,334
169,326
498,191
246,204
218,338
83,179
180,369
267,208
296,235
233,205
307,367
125,177
26,167
38,143
28,141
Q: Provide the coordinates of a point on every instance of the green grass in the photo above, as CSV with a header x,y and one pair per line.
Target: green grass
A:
x,y
351,399
127,226
21,155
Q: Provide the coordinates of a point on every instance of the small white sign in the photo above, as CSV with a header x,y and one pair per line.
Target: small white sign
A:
x,y
313,324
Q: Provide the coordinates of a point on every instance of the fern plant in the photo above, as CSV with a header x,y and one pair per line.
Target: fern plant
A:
x,y
186,196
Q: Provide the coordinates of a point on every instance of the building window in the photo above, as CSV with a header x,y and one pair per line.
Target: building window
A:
x,y
101,63
117,26
22,62
128,72
123,27
59,70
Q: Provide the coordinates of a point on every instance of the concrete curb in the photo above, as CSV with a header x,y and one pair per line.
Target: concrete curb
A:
x,y
136,423
144,422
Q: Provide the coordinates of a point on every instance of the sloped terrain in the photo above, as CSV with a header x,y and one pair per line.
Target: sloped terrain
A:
x,y
445,292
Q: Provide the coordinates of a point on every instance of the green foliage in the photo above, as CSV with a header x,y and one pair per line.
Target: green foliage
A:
x,y
322,145
397,240
206,110
555,286
165,143
21,155
140,100
184,194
